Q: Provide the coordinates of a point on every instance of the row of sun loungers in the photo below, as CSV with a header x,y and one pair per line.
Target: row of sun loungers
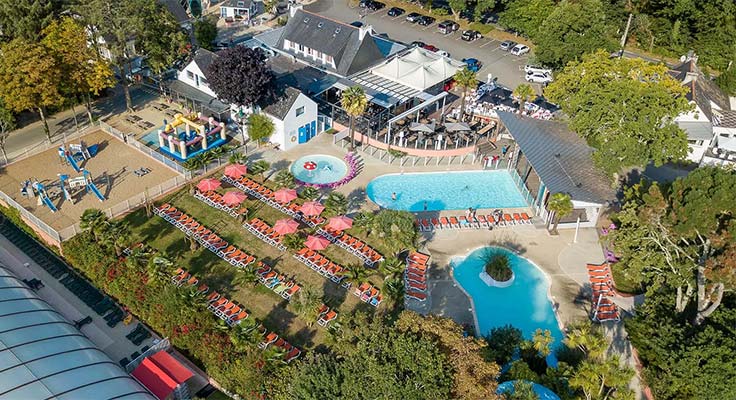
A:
x,y
183,278
352,245
480,221
415,276
604,309
325,315
229,311
322,265
272,339
264,232
279,283
204,236
214,199
369,294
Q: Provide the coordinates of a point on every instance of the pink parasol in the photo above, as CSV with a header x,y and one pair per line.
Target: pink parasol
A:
x,y
340,223
284,195
285,226
310,165
316,242
312,208
206,185
234,197
235,170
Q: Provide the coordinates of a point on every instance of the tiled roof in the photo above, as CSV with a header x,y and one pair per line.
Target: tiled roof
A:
x,y
703,91
176,9
281,106
204,58
727,119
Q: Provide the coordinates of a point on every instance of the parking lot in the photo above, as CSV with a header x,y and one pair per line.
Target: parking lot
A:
x,y
496,62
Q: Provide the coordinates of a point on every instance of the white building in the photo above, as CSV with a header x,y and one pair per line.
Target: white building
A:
x,y
194,74
294,116
238,9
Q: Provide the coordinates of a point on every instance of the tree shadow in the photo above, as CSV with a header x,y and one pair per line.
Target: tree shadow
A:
x,y
507,240
334,294
356,198
279,165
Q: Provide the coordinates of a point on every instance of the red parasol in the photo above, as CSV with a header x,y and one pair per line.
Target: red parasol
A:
x,y
206,185
340,223
234,197
312,208
285,226
235,170
316,242
310,165
284,195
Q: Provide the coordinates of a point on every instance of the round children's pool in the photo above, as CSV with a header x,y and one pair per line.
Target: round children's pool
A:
x,y
319,169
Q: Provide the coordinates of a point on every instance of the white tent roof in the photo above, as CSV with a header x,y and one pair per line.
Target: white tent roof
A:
x,y
418,69
727,143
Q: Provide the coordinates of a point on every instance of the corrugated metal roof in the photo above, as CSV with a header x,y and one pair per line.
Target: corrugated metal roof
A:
x,y
42,354
697,130
560,157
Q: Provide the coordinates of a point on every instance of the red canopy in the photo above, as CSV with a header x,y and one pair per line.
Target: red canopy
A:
x,y
155,379
285,226
316,242
234,197
235,170
284,195
340,223
175,369
206,185
312,208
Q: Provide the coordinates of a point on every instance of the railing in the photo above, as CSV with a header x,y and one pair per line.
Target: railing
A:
x,y
29,217
522,188
32,150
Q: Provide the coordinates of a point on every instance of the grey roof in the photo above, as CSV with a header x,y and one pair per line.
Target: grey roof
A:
x,y
697,130
283,103
42,354
196,95
703,91
726,119
204,58
560,157
336,39
177,10
236,3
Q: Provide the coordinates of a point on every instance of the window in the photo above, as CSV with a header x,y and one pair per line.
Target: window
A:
x,y
309,51
203,81
190,75
301,47
329,60
300,111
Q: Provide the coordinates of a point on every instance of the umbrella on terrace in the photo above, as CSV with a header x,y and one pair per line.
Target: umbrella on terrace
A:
x,y
312,208
234,197
316,242
419,127
285,226
235,170
457,127
340,223
206,185
284,195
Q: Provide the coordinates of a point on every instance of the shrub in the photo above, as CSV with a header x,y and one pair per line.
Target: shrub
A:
x,y
497,265
440,12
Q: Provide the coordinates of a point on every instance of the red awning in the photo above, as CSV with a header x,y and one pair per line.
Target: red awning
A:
x,y
173,368
155,379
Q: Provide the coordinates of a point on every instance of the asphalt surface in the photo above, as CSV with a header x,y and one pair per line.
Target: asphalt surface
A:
x,y
496,62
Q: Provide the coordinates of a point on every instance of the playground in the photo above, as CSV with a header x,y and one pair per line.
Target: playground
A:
x,y
94,171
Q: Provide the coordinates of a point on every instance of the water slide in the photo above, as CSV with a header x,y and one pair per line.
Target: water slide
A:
x,y
48,203
91,186
73,162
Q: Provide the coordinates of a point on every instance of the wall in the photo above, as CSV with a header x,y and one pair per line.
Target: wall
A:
x,y
292,122
195,83
232,11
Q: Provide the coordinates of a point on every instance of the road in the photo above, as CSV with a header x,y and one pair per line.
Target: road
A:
x,y
501,64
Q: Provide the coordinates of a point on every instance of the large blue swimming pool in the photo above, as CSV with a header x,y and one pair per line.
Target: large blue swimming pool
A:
x,y
524,304
446,190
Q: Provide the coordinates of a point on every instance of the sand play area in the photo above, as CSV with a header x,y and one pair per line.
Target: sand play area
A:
x,y
112,170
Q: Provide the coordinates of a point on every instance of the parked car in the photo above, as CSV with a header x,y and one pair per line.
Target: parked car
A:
x,y
413,17
471,35
364,3
538,77
417,43
443,53
520,50
426,20
356,24
375,6
507,45
473,64
431,47
395,11
446,27
535,68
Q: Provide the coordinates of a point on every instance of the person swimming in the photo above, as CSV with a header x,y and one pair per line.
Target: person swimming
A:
x,y
393,196
327,167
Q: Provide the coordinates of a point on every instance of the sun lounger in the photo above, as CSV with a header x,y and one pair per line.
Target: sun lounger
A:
x,y
292,355
507,219
290,292
416,295
270,338
327,318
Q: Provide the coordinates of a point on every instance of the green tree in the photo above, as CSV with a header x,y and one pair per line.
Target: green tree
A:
x,y
336,204
588,339
526,16
205,32
624,108
284,179
542,341
396,228
159,268
354,102
25,19
457,7
392,267
523,390
466,79
306,305
260,128
7,125
560,205
572,29
502,343
94,221
293,241
309,193
603,380
481,7
520,370
259,167
393,288
524,93
727,81
116,234
237,158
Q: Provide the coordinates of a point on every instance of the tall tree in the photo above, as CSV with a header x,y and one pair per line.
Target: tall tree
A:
x,y
205,32
30,78
7,124
624,108
240,76
466,79
354,102
457,7
560,205
525,93
25,19
526,16
260,128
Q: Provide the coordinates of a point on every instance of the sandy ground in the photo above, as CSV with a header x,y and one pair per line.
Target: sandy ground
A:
x,y
112,170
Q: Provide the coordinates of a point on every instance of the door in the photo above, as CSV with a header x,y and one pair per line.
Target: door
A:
x,y
303,134
313,129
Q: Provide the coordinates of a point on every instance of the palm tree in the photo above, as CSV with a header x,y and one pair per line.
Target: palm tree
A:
x,y
560,205
310,193
524,92
541,341
394,289
116,234
260,167
466,79
364,220
336,203
284,179
293,241
94,221
357,274
243,277
158,268
237,158
306,305
586,338
354,102
245,335
391,267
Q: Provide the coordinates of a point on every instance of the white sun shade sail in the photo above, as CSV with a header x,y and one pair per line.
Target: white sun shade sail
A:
x,y
419,69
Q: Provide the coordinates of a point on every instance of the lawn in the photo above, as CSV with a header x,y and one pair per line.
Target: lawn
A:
x,y
274,311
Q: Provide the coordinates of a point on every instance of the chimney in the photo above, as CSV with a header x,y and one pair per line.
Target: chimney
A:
x,y
364,30
691,56
293,9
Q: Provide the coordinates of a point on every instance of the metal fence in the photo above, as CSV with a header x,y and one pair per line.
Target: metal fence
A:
x,y
29,217
32,150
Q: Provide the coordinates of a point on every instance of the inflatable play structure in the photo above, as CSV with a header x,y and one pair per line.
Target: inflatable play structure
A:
x,y
77,154
197,135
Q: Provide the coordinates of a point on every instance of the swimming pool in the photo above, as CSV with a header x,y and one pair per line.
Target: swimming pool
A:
x,y
327,169
446,190
150,139
524,304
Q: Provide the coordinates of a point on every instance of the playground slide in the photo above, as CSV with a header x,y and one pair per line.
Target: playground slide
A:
x,y
91,186
73,162
48,203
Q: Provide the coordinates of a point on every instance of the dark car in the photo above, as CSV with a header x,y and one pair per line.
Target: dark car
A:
x,y
471,35
507,45
426,20
395,11
356,24
364,3
414,17
375,6
446,27
417,43
473,64
431,47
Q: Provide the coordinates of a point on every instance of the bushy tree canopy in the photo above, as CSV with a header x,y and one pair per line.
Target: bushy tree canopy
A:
x,y
240,76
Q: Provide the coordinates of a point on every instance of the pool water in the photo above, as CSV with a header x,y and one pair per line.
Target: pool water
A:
x,y
542,392
329,169
446,191
524,304
150,139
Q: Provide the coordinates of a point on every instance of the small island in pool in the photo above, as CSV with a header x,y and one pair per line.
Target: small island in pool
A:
x,y
497,269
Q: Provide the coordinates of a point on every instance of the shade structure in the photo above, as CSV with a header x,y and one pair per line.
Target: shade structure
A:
x,y
316,242
419,127
285,226
206,185
340,223
235,170
284,195
457,127
312,208
234,197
